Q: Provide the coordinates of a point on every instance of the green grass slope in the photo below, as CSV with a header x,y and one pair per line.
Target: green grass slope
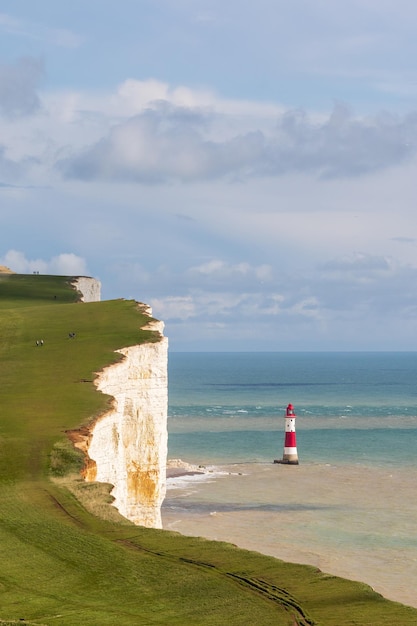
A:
x,y
59,563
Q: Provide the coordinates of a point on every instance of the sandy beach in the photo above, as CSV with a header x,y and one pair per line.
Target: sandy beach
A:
x,y
352,521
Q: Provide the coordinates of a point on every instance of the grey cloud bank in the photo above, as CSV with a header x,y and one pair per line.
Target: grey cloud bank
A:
x,y
168,144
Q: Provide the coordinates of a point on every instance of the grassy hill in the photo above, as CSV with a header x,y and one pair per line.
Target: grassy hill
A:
x,y
60,563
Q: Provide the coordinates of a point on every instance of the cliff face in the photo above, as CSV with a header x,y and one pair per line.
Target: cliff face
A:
x,y
127,447
89,288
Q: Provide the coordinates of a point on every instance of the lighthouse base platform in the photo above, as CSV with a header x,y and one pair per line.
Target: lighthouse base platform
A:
x,y
286,461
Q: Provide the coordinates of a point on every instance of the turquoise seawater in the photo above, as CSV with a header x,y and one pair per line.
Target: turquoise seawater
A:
x,y
353,408
349,507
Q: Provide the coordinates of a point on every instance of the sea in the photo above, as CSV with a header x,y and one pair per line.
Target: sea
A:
x,y
349,507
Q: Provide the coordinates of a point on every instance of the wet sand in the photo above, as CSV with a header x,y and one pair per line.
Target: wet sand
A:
x,y
356,522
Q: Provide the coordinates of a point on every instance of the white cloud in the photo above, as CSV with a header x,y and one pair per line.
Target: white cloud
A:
x,y
18,263
214,265
359,265
149,132
68,264
174,307
232,305
134,96
170,143
222,269
362,291
198,305
65,264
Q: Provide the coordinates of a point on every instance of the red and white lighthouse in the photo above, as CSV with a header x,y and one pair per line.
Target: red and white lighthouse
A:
x,y
290,456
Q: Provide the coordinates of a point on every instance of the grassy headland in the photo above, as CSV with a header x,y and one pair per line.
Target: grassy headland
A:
x,y
60,564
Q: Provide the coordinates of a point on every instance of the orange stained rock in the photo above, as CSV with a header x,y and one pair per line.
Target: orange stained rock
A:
x,y
142,484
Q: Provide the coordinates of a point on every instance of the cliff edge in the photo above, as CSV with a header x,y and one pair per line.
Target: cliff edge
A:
x,y
88,288
127,446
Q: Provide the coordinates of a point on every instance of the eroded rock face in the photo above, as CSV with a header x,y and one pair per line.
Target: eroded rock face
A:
x,y
128,445
89,288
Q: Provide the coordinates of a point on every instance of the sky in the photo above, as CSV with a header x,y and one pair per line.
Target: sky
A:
x,y
249,170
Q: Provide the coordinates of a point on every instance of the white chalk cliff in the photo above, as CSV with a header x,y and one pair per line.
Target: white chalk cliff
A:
x,y
127,446
89,288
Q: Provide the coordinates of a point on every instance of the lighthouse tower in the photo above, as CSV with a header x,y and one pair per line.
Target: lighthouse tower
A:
x,y
290,456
